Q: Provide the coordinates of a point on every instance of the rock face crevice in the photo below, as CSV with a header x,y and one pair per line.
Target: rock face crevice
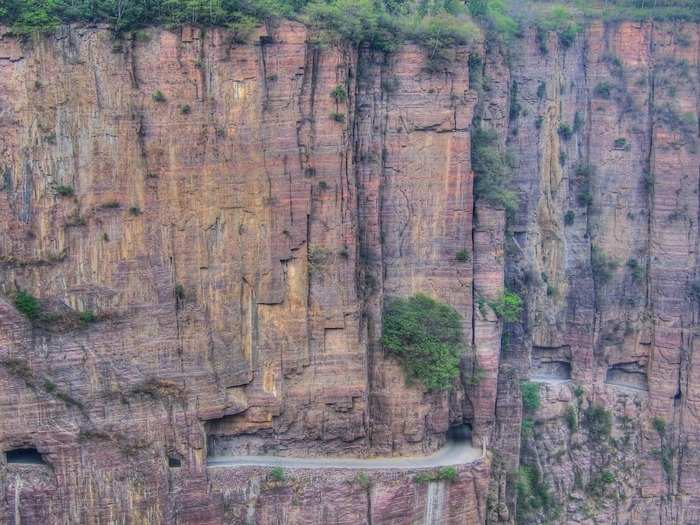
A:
x,y
212,230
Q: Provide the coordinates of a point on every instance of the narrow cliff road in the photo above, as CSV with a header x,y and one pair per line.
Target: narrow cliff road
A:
x,y
452,454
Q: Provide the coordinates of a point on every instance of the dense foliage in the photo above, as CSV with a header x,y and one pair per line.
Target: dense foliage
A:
x,y
381,23
378,23
426,336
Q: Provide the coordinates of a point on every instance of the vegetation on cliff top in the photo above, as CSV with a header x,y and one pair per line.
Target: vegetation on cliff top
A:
x,y
379,23
426,337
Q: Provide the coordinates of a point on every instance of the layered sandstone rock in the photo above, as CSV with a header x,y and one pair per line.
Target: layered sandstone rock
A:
x,y
236,230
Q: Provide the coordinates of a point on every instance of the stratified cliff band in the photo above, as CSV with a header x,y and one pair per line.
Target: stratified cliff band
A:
x,y
212,233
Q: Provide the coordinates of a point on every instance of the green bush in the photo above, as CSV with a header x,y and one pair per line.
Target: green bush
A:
x,y
598,422
584,198
572,418
508,307
561,20
491,169
599,483
447,474
463,255
65,191
425,477
426,337
27,304
622,144
277,474
533,492
569,217
379,24
339,93
636,270
158,96
87,316
565,131
665,454
338,117
659,425
362,479
531,395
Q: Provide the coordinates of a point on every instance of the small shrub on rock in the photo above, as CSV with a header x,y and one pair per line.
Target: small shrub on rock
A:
x,y
277,474
508,307
531,396
598,422
27,304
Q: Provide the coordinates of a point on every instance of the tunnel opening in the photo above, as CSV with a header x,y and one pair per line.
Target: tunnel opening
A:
x,y
628,375
24,456
174,462
553,370
551,363
460,433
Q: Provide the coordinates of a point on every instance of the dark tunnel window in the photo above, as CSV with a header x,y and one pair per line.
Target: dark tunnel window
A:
x,y
174,462
26,456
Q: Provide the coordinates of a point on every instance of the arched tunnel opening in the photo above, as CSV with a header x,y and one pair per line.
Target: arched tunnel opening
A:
x,y
460,433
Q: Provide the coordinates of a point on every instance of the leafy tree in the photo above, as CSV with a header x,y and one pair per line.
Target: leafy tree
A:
x,y
426,337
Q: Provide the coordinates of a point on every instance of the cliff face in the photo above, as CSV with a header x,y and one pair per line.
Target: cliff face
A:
x,y
234,229
603,247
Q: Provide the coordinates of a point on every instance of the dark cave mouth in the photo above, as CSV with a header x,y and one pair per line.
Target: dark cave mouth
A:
x,y
24,456
460,433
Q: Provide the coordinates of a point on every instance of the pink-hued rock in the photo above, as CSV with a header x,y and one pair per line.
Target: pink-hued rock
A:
x,y
236,230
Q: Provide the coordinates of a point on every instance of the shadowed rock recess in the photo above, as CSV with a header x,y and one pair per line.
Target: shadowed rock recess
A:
x,y
211,233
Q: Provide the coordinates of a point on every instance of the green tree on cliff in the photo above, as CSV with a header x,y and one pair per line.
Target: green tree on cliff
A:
x,y
426,337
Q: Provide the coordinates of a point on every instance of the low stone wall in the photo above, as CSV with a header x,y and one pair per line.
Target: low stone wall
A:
x,y
349,497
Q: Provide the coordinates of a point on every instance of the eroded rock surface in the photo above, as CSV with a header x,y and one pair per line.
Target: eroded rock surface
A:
x,y
234,229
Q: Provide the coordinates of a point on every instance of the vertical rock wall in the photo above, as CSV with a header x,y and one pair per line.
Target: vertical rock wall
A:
x,y
235,230
605,142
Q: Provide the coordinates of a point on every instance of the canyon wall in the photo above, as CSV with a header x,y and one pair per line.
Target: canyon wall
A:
x,y
212,229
